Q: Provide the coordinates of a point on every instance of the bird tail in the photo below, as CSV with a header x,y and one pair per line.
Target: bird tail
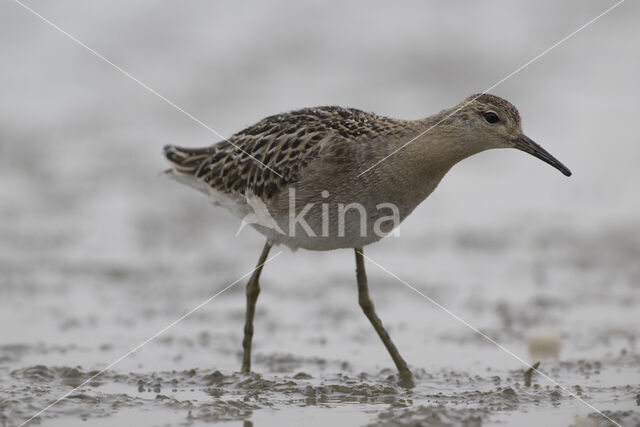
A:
x,y
186,160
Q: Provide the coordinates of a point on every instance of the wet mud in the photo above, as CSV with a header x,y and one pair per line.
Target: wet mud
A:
x,y
445,398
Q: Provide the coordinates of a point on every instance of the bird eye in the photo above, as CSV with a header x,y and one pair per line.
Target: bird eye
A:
x,y
491,117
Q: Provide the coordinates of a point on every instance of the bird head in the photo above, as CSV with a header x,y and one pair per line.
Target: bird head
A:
x,y
495,123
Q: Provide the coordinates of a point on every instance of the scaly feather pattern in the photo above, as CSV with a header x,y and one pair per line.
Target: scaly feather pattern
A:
x,y
286,143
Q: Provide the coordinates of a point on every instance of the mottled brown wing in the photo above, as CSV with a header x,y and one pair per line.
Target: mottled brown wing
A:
x,y
283,143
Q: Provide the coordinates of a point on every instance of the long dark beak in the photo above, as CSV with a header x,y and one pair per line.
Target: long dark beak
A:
x,y
526,144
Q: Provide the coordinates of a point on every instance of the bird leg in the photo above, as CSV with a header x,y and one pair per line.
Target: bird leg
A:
x,y
253,290
406,378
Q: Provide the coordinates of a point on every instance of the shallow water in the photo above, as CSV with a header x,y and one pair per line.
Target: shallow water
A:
x,y
98,253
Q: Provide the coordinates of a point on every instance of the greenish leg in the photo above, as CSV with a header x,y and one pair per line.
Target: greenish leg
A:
x,y
253,290
406,378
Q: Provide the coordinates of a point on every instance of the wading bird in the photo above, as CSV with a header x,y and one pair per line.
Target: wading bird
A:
x,y
329,177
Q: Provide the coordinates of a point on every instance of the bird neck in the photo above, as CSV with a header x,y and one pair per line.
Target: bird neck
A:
x,y
418,156
421,164
439,145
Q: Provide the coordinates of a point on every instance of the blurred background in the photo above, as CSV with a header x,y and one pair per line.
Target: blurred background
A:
x,y
98,252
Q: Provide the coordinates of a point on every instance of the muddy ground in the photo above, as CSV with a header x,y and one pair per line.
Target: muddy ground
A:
x,y
317,359
98,253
